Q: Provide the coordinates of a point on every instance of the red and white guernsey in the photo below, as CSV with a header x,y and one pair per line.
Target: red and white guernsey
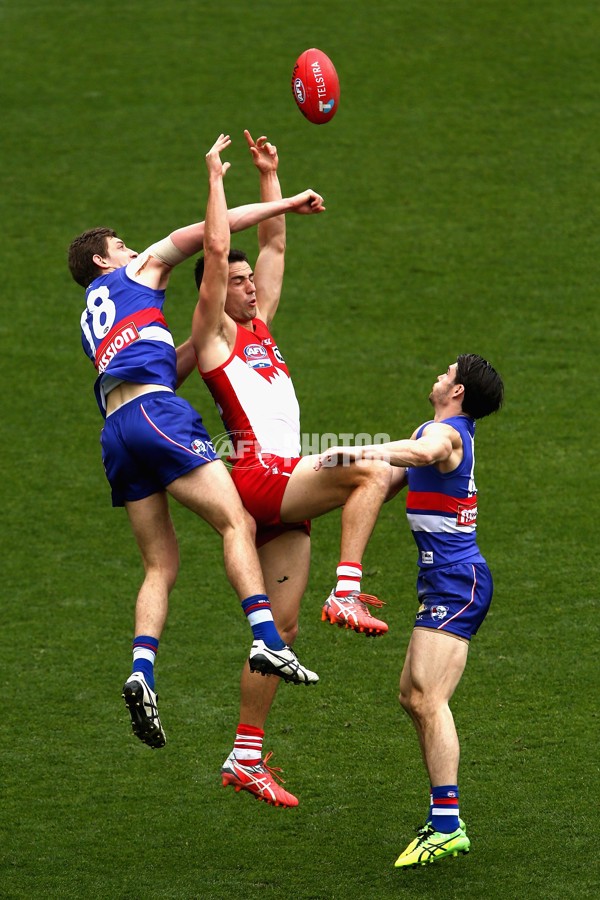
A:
x,y
255,396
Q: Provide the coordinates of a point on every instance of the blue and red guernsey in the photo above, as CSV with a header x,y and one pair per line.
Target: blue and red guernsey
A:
x,y
442,507
124,333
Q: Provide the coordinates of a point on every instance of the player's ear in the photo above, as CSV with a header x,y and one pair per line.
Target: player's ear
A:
x,y
459,391
99,261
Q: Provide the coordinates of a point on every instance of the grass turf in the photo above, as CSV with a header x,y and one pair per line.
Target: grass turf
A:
x,y
460,176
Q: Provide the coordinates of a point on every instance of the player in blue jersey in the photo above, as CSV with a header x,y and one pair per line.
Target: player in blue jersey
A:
x,y
154,443
454,584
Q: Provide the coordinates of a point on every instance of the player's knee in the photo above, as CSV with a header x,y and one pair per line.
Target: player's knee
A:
x,y
376,472
238,524
415,703
404,699
250,524
172,564
171,581
246,523
383,472
163,572
424,707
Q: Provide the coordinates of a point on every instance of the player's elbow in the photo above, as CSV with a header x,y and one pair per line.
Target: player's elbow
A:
x,y
278,244
217,247
427,454
425,457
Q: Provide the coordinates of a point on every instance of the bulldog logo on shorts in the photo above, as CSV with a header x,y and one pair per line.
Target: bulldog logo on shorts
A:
x,y
199,447
439,612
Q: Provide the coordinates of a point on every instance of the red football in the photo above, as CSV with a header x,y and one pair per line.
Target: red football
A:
x,y
316,86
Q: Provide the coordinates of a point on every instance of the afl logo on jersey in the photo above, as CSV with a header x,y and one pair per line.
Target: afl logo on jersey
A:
x,y
257,357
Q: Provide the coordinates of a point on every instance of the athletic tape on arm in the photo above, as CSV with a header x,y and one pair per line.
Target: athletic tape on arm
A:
x,y
167,252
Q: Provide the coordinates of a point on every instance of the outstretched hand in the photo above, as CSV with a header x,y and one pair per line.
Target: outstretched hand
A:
x,y
213,158
264,154
345,456
335,456
307,202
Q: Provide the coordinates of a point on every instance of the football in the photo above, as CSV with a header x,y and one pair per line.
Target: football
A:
x,y
316,86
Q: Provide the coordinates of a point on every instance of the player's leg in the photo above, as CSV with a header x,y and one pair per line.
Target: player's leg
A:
x,y
155,536
459,596
285,563
162,432
360,488
405,693
209,492
397,482
432,669
153,530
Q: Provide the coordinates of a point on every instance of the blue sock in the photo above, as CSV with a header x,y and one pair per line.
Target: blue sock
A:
x,y
145,649
444,808
260,618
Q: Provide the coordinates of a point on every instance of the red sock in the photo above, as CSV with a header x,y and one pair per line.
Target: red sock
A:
x,y
348,578
247,748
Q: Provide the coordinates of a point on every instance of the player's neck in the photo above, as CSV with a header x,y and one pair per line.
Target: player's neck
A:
x,y
447,411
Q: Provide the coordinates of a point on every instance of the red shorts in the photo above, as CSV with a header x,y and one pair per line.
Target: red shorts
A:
x,y
261,482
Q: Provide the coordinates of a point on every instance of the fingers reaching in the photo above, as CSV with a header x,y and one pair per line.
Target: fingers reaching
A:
x,y
264,153
213,158
222,142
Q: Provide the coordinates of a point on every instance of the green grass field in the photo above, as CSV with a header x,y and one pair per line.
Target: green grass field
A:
x,y
461,176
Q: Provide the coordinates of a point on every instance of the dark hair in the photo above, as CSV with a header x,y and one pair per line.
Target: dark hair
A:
x,y
233,257
83,249
484,390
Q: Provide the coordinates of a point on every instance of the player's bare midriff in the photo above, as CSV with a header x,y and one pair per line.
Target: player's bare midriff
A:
x,y
126,391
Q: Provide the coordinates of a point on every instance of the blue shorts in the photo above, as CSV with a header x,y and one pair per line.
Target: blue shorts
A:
x,y
454,599
151,441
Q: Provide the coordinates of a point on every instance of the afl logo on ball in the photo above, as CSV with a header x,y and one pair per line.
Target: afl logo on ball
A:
x,y
299,90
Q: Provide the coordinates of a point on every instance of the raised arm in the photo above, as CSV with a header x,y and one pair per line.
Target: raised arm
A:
x,y
269,268
153,266
189,240
209,322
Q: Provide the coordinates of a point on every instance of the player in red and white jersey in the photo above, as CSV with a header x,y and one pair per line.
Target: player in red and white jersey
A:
x,y
454,585
154,443
247,375
255,394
